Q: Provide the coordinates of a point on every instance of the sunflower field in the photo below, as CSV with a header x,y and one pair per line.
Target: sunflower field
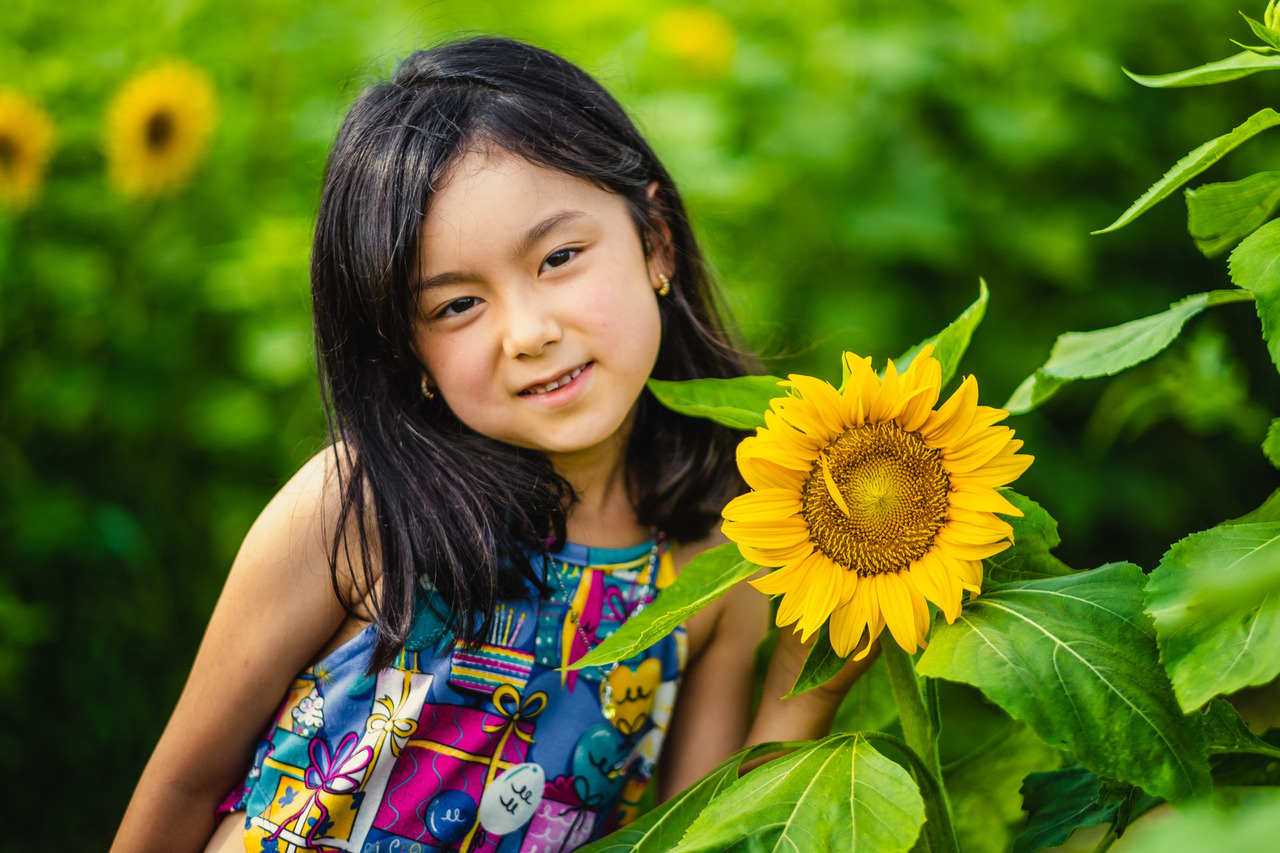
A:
x,y
1079,653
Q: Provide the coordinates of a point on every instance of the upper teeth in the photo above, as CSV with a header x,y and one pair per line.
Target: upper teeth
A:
x,y
556,383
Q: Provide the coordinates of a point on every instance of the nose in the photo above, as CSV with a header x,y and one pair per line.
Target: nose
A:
x,y
530,323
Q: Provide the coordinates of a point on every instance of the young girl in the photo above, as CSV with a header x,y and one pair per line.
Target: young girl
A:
x,y
500,263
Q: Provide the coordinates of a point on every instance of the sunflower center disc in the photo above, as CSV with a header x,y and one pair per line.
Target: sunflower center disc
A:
x,y
159,131
8,153
896,493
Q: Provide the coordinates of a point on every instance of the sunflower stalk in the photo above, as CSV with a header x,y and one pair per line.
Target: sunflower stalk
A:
x,y
919,712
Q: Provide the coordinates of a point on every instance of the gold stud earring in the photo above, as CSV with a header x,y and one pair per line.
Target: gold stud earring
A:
x,y
666,285
426,389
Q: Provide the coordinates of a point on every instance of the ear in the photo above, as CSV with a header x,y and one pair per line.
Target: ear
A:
x,y
661,258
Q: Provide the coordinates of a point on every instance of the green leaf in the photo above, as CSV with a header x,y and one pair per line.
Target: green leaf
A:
x,y
869,705
739,402
1271,444
1222,71
1262,31
838,794
1255,266
707,577
1215,600
1269,511
1075,657
1254,825
661,829
1226,733
1260,50
1248,768
950,344
820,665
1218,215
984,789
1057,804
1195,163
1034,536
1104,352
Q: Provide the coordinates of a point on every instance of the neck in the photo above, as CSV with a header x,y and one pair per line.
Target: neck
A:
x,y
603,516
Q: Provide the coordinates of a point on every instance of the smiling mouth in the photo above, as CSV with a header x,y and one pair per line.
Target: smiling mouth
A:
x,y
558,382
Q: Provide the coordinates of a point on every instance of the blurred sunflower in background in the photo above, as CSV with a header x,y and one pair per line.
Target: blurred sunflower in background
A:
x,y
26,142
698,38
870,502
158,127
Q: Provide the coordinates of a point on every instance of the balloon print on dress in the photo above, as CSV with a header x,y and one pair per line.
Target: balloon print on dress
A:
x,y
450,815
509,801
598,762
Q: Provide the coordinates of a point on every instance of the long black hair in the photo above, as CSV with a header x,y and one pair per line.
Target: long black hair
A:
x,y
416,514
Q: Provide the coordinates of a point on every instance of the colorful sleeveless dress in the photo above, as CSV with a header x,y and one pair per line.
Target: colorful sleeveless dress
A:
x,y
479,749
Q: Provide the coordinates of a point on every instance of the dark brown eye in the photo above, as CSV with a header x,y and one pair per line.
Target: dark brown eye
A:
x,y
458,306
560,257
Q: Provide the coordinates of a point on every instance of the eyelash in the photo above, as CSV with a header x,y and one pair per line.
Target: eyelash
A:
x,y
448,311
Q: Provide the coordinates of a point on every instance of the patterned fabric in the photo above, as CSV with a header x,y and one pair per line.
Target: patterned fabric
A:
x,y
488,748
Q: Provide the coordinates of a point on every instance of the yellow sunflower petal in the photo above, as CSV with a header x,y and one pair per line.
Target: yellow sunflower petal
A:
x,y
957,547
1001,471
925,373
824,399
888,397
954,417
898,609
761,472
773,557
982,499
764,505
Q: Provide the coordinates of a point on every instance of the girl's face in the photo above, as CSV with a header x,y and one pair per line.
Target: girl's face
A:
x,y
538,322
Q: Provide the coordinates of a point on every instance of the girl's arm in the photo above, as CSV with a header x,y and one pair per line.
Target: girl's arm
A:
x,y
713,717
276,612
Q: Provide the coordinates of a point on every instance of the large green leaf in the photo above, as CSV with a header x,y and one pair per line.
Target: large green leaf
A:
x,y
950,344
1075,657
1195,163
739,402
707,577
1222,71
984,789
1104,352
1219,215
1028,558
1253,825
820,665
839,794
661,829
1215,599
1255,266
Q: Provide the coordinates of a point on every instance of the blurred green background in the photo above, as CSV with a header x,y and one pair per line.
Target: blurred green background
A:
x,y
853,168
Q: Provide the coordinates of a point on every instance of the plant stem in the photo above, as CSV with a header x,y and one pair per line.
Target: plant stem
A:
x,y
939,835
1107,841
921,722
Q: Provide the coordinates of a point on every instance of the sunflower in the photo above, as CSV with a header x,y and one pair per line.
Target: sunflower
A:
x,y
696,37
871,503
157,127
26,141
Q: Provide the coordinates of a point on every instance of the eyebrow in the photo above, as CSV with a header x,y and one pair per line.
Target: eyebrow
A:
x,y
527,241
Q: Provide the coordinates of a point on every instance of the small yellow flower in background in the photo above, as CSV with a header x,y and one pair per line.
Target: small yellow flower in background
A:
x,y
699,38
871,502
158,126
26,142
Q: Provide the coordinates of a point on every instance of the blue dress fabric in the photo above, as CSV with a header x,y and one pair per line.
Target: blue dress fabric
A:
x,y
481,748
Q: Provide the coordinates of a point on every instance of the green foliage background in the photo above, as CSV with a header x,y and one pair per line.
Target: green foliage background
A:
x,y
853,169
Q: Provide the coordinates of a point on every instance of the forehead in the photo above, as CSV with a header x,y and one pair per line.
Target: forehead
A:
x,y
491,198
